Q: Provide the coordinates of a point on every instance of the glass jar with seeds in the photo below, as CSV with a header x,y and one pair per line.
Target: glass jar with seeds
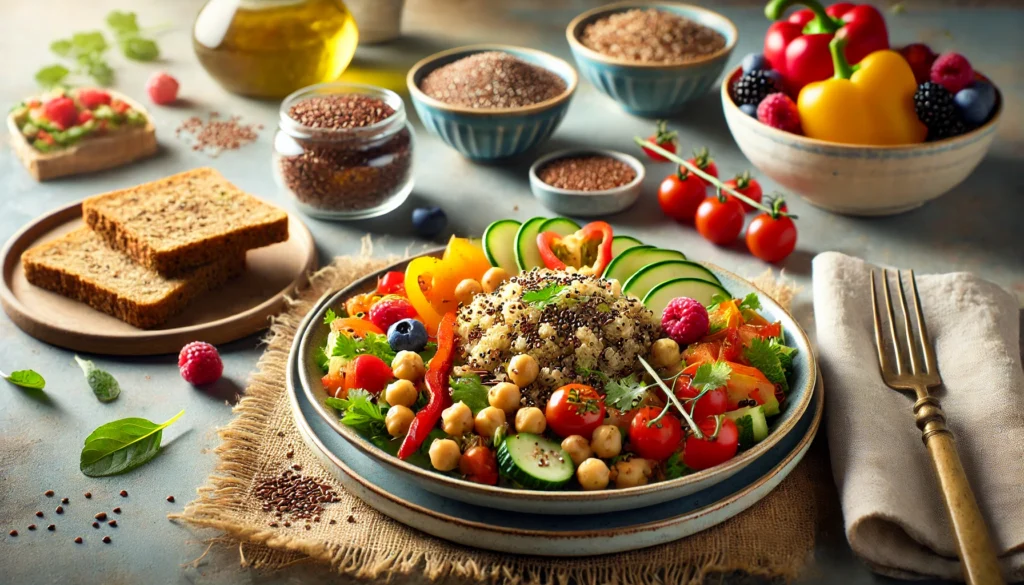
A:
x,y
344,151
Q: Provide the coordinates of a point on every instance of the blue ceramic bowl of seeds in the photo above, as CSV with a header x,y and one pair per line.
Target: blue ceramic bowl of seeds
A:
x,y
489,130
653,89
591,201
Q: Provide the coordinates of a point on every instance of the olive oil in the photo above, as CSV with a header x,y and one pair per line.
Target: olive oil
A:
x,y
270,48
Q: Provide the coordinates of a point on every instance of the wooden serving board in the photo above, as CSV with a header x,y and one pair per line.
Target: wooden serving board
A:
x,y
241,307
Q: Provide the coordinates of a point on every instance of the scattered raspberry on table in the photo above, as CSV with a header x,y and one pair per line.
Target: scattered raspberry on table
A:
x,y
162,88
199,363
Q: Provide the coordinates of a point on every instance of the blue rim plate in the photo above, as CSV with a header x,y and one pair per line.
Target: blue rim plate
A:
x,y
313,334
400,498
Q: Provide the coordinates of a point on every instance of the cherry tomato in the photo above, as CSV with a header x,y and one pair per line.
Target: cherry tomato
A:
x,y
713,402
702,160
657,441
720,222
746,186
574,409
367,372
771,239
707,452
663,138
680,194
392,283
479,465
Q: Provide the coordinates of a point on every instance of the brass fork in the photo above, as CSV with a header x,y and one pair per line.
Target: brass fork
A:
x,y
974,546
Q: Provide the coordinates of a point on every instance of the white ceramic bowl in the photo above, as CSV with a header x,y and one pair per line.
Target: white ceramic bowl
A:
x,y
587,203
858,180
563,502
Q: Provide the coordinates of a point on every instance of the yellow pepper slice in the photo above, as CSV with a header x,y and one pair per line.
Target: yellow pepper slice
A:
x,y
422,270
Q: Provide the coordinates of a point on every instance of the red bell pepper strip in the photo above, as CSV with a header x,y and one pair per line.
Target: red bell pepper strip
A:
x,y
589,249
797,47
438,387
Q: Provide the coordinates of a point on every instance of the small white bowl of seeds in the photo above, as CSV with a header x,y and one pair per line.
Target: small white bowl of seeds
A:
x,y
587,182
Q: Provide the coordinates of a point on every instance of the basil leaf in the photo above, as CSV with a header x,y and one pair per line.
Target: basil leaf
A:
x,y
25,379
122,445
103,385
139,48
51,75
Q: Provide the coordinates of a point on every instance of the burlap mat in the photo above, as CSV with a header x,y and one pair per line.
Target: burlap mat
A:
x,y
773,539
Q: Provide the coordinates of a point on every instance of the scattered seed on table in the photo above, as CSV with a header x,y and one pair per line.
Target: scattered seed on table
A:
x,y
88,495
39,513
117,510
290,454
60,509
124,493
351,519
48,493
106,539
280,433
170,499
31,526
51,527
13,533
78,540
307,526
273,524
333,521
101,516
297,467
287,524
64,500
95,524
112,523
214,135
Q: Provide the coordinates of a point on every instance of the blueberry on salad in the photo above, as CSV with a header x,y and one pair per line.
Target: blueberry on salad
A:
x,y
407,335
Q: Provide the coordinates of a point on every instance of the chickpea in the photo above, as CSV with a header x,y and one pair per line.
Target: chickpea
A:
x,y
665,353
466,290
523,369
444,454
457,419
401,392
606,442
408,365
398,420
616,286
593,474
493,278
578,448
531,420
488,420
632,473
504,396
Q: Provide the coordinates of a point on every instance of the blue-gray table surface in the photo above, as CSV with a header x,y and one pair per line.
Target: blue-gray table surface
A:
x,y
974,228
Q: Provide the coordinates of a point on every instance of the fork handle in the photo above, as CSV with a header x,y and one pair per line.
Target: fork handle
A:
x,y
974,546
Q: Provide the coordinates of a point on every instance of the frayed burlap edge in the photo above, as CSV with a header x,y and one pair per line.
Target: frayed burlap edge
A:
x,y
218,503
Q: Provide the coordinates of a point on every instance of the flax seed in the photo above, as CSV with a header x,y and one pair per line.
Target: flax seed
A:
x,y
651,36
492,80
587,173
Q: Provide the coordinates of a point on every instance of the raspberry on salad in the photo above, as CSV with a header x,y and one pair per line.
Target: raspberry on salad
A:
x,y
952,71
685,320
778,111
390,310
61,111
199,363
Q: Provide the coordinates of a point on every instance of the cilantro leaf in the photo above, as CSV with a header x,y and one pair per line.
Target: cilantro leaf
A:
x,y
372,344
470,390
26,379
785,354
750,303
764,357
88,42
428,352
625,394
123,22
322,361
51,75
543,297
360,413
330,317
675,468
710,376
61,47
716,299
139,48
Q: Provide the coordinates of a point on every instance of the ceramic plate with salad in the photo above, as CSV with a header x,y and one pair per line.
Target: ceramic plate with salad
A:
x,y
557,368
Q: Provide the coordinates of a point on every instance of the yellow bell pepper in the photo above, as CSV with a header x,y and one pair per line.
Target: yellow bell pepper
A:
x,y
870,103
420,272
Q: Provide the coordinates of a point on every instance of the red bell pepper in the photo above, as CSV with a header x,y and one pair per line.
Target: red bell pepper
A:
x,y
589,249
797,47
438,387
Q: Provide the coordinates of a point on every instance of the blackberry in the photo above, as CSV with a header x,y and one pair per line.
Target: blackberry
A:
x,y
936,109
753,87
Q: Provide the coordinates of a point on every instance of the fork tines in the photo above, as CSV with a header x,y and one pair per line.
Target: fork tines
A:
x,y
917,343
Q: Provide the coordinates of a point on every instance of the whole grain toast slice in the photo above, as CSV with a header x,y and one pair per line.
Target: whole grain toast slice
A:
x,y
81,266
185,220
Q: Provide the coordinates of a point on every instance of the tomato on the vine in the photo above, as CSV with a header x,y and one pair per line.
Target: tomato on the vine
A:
x,y
392,283
772,236
746,186
655,441
680,194
702,160
479,465
663,138
713,402
719,219
574,409
711,450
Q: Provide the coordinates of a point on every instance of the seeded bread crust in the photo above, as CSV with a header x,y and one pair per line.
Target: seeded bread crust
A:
x,y
81,266
185,220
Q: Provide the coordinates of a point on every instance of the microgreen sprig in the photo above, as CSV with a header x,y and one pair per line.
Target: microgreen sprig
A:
x,y
775,210
672,396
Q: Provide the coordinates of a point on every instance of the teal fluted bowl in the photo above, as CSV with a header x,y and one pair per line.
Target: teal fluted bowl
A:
x,y
485,134
652,90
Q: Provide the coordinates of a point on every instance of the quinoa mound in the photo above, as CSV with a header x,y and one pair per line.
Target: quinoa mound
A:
x,y
583,322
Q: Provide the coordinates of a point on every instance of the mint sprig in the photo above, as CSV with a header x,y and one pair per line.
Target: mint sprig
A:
x,y
102,383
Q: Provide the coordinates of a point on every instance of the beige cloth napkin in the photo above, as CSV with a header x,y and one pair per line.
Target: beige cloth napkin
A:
x,y
892,506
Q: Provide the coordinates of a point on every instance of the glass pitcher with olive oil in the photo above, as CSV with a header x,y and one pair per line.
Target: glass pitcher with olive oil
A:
x,y
270,48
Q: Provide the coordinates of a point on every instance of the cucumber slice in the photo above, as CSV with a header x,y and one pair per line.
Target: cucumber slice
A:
x,y
652,275
622,243
527,254
499,243
701,290
632,260
562,226
534,462
751,423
